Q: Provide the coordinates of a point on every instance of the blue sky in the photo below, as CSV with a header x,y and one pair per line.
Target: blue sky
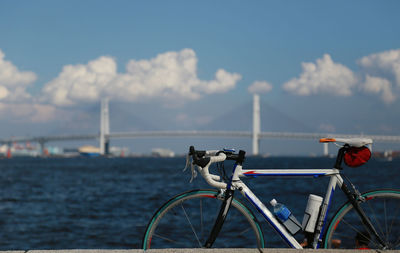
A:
x,y
330,66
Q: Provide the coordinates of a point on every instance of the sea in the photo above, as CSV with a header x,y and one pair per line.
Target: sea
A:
x,y
106,203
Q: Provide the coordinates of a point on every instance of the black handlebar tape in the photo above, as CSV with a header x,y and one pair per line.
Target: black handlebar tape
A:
x,y
202,162
241,157
198,157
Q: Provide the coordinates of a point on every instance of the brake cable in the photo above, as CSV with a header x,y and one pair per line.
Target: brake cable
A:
x,y
356,192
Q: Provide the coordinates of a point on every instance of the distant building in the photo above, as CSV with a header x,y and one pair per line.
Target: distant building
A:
x,y
388,154
119,151
19,150
162,152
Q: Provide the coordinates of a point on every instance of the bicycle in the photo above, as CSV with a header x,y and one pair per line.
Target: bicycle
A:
x,y
188,219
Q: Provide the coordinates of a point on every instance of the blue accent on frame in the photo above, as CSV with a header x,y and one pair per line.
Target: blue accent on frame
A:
x,y
230,150
326,216
230,181
287,174
269,221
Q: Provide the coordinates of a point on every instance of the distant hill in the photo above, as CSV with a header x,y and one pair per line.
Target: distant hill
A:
x,y
272,119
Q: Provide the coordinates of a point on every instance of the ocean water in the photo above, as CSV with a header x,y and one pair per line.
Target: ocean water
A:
x,y
106,203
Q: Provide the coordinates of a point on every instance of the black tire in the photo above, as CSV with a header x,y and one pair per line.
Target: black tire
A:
x,y
382,208
186,220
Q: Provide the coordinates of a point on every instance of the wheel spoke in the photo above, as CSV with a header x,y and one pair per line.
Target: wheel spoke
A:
x,y
359,232
184,221
244,231
168,239
375,218
386,225
397,243
191,226
382,208
394,218
201,219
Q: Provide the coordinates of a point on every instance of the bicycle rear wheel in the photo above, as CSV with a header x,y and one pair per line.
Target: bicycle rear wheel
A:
x,y
382,208
185,221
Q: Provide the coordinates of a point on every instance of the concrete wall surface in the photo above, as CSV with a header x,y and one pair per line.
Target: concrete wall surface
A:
x,y
202,251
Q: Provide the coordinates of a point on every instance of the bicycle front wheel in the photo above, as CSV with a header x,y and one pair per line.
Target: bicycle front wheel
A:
x,y
382,207
186,220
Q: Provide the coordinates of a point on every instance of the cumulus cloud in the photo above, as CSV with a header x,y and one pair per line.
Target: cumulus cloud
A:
x,y
171,75
382,74
260,87
81,82
380,86
28,112
16,103
324,76
383,64
13,82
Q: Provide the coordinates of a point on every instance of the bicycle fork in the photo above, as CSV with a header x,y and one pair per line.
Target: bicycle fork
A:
x,y
365,220
228,197
223,212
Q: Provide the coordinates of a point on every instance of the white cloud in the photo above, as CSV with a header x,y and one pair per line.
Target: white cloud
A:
x,y
28,112
383,64
16,103
81,82
325,76
381,86
382,74
260,87
13,82
3,92
223,82
171,75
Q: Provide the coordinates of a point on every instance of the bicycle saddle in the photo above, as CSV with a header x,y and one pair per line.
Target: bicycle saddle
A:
x,y
352,142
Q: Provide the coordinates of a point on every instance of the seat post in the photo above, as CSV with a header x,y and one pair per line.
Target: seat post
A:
x,y
339,157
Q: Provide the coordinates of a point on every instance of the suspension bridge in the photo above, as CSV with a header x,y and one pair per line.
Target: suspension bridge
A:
x,y
255,135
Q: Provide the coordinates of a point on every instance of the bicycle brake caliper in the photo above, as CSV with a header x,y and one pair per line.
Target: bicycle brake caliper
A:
x,y
357,194
221,194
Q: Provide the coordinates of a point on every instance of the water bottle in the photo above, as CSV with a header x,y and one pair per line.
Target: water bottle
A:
x,y
286,217
280,211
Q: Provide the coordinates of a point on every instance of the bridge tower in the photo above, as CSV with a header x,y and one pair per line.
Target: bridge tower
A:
x,y
256,124
325,149
104,127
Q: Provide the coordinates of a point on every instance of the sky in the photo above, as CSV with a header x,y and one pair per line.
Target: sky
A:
x,y
318,66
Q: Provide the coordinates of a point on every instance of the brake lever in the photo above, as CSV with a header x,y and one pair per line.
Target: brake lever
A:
x,y
192,168
187,162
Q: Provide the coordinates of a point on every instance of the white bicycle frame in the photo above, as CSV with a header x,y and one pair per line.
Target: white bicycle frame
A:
x,y
335,179
237,184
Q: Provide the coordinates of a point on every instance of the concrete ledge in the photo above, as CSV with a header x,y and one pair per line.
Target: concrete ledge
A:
x,y
271,250
274,250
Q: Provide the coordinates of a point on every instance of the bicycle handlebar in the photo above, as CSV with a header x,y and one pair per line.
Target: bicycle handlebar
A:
x,y
204,158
